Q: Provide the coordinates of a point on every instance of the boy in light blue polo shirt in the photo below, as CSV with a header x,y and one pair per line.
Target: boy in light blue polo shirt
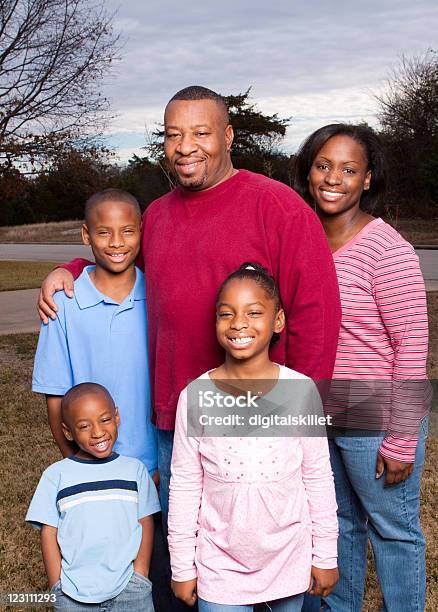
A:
x,y
100,334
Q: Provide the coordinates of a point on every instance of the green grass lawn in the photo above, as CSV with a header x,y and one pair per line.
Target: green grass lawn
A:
x,y
23,274
27,448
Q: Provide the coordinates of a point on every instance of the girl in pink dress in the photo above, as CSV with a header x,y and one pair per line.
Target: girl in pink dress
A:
x,y
252,520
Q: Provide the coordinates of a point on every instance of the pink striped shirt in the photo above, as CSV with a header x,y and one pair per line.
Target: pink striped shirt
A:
x,y
248,516
384,332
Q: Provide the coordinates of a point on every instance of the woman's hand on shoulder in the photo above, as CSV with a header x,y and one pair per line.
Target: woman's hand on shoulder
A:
x,y
186,591
323,581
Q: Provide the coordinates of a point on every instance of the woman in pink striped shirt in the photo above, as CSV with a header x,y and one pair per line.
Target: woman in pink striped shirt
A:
x,y
341,170
252,520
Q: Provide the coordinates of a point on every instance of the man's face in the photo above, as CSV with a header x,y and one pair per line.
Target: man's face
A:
x,y
197,143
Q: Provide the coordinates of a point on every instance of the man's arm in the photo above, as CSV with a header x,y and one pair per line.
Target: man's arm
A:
x,y
60,279
143,559
51,554
66,447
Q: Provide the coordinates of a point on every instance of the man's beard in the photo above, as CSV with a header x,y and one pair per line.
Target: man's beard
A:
x,y
192,183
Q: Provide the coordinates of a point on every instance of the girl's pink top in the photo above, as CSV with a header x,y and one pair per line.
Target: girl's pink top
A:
x,y
249,516
384,331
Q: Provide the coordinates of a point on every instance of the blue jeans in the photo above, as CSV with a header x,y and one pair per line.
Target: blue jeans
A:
x,y
136,596
165,447
388,516
159,569
287,604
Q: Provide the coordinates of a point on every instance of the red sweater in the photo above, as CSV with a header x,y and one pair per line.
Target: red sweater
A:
x,y
193,240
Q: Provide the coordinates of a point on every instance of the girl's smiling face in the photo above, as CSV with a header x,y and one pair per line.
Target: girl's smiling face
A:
x,y
338,175
246,318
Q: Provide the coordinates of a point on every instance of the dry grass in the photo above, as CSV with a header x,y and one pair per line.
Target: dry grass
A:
x,y
417,231
23,274
68,232
26,449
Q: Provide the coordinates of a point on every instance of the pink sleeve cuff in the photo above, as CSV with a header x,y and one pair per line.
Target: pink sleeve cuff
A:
x,y
399,449
324,553
184,575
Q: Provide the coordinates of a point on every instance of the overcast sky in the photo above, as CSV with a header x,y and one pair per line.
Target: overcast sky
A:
x,y
315,60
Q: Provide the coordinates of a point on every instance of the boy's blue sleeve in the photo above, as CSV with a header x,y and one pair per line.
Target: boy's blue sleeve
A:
x,y
43,509
52,373
147,494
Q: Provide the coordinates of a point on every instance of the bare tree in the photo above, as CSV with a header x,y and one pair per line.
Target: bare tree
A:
x,y
52,55
409,119
409,104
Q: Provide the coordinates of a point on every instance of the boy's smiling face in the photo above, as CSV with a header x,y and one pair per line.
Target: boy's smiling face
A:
x,y
91,421
112,229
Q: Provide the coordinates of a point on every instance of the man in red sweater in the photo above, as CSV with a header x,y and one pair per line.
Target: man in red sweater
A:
x,y
193,237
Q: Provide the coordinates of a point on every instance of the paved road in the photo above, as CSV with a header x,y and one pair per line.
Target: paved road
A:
x,y
429,267
17,308
44,252
18,311
65,252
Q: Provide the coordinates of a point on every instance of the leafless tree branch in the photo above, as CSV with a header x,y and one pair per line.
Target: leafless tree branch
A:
x,y
52,55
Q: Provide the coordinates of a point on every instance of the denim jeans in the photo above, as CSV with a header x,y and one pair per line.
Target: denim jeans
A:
x,y
287,604
165,447
388,516
135,597
159,569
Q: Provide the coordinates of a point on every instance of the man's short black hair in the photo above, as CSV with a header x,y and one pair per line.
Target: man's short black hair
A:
x,y
110,195
197,92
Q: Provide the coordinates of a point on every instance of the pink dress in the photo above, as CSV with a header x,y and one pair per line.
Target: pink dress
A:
x,y
249,516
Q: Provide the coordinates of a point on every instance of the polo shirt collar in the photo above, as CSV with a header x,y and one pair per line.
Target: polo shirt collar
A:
x,y
88,295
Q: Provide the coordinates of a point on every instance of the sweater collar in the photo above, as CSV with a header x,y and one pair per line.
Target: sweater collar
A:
x,y
208,194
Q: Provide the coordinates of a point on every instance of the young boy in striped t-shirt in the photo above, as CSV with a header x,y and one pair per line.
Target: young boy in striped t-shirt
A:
x,y
95,511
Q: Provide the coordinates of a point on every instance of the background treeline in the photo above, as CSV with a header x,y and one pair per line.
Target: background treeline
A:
x,y
53,54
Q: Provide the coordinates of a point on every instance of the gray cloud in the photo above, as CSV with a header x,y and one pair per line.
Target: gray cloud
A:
x,y
330,54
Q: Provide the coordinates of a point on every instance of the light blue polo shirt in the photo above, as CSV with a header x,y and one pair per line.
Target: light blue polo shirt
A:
x,y
95,506
95,339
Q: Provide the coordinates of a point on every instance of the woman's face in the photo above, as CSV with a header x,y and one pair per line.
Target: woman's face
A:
x,y
338,175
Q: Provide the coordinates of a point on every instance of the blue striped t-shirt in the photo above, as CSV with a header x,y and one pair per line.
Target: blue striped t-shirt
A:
x,y
96,506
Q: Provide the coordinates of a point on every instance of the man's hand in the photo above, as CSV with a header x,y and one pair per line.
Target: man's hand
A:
x,y
396,471
58,280
186,591
323,581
